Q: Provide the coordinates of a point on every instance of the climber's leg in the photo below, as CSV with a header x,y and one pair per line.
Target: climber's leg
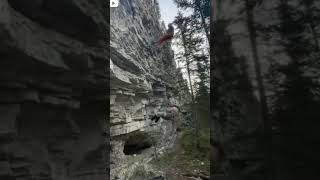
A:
x,y
155,118
174,128
164,39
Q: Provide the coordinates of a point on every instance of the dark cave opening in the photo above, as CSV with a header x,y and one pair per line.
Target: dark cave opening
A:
x,y
135,148
137,143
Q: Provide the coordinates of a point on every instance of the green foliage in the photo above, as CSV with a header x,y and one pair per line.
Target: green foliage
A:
x,y
165,161
296,97
202,6
188,143
202,99
186,157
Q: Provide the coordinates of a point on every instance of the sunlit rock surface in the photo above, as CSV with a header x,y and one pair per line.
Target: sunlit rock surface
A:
x,y
144,82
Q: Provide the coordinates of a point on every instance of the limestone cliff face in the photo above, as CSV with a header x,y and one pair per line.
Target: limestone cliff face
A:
x,y
53,83
144,81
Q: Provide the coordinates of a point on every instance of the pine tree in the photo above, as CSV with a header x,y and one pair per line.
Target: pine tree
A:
x,y
201,12
189,45
190,41
231,93
202,96
297,102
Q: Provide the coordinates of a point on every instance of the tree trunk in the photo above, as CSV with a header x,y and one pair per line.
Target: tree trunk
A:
x,y
203,22
312,26
315,36
191,88
197,130
267,133
187,63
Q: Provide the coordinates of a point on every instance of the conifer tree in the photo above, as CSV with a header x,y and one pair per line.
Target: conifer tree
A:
x,y
201,12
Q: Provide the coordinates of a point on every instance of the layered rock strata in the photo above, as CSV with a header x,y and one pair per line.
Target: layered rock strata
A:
x,y
144,82
53,86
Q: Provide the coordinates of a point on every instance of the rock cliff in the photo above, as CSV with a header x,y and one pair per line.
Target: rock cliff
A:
x,y
144,82
53,86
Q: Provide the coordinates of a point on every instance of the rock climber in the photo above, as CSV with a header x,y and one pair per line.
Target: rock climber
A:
x,y
167,36
171,114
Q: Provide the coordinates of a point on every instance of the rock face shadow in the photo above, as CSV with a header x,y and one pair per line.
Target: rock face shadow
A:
x,y
137,143
53,90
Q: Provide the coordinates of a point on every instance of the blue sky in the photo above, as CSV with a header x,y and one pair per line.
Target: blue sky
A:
x,y
168,10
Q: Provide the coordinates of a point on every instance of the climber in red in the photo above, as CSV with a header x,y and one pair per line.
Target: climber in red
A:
x,y
167,36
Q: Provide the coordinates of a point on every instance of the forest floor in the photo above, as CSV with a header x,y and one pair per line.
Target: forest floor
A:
x,y
186,161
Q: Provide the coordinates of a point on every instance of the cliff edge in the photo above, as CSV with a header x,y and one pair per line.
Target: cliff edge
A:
x,y
144,82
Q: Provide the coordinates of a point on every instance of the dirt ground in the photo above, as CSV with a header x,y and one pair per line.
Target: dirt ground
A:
x,y
178,166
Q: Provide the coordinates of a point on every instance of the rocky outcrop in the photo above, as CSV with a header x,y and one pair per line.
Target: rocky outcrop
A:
x,y
144,82
53,85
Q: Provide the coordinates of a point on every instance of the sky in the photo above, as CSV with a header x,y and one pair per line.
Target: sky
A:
x,y
168,10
